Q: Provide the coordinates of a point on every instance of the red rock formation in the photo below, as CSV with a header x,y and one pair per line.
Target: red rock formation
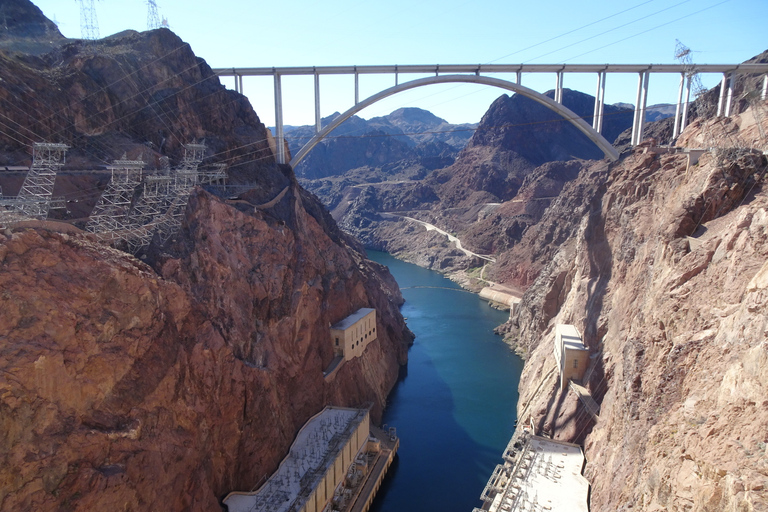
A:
x,y
122,388
164,384
665,276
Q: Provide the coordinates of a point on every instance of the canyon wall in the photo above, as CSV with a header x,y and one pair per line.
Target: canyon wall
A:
x,y
516,162
663,270
167,381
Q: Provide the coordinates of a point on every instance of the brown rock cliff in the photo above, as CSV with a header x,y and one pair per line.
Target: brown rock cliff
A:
x,y
664,273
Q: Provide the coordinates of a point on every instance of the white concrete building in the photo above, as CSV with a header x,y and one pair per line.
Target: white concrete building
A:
x,y
313,473
570,353
351,335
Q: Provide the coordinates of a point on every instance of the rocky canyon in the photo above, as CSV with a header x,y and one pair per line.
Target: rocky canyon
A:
x,y
168,380
659,260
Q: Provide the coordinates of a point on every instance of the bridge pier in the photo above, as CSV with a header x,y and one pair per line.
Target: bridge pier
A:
x,y
729,99
280,137
721,99
357,86
318,121
597,116
765,88
559,87
676,127
638,123
684,119
601,114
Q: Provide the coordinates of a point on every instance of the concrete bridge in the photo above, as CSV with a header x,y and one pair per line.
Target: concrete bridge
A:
x,y
478,73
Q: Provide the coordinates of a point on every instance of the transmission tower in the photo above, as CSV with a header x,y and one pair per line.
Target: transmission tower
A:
x,y
184,179
89,25
683,55
153,18
34,199
120,218
109,218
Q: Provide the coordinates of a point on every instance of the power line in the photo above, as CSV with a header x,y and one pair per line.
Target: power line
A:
x,y
611,30
571,31
649,30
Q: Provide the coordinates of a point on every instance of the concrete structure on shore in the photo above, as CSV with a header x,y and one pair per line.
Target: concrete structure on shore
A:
x,y
336,463
351,335
570,353
538,475
500,296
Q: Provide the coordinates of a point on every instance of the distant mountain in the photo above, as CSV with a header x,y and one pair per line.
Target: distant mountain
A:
x,y
409,140
520,157
653,113
659,111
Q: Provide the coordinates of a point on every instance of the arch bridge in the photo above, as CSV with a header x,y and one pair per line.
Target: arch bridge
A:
x,y
478,74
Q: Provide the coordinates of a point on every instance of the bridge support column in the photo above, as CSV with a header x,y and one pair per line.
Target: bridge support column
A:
x,y
721,99
644,103
765,88
238,83
599,102
676,128
684,120
318,121
729,99
559,88
601,114
638,123
279,139
519,76
357,86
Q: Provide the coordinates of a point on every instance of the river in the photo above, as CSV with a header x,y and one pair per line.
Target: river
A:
x,y
454,405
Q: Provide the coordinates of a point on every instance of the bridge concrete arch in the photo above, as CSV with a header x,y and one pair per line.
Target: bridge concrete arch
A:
x,y
567,114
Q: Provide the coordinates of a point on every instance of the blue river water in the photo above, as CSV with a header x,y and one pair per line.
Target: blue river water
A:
x,y
454,406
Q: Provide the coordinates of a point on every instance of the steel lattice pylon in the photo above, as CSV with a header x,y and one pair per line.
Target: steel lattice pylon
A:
x,y
110,216
153,18
122,218
34,199
89,25
184,179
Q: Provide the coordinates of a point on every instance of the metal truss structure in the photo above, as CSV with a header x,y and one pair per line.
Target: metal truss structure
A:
x,y
34,199
89,25
110,216
133,208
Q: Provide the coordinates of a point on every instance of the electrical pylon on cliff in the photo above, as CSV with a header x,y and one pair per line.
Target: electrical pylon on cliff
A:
x,y
184,179
153,18
89,25
109,218
34,198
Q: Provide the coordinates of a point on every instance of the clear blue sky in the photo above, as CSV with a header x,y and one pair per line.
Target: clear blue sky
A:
x,y
247,33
